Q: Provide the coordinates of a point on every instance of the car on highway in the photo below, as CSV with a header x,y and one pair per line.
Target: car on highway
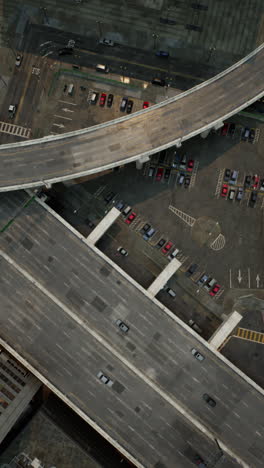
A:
x,y
199,461
123,104
197,355
12,111
253,199
161,243
104,379
224,129
123,327
102,99
252,135
131,218
247,182
227,175
110,100
191,269
215,290
190,165
240,194
224,190
187,181
255,181
159,173
245,134
107,42
204,278
209,400
167,173
167,247
19,58
122,251
145,104
129,106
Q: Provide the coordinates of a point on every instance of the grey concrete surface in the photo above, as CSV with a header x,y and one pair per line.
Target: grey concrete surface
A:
x,y
88,151
156,345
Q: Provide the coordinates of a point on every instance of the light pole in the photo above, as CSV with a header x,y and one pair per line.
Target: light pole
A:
x,y
99,24
155,37
211,51
123,68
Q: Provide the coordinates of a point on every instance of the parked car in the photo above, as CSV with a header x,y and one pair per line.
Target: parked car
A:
x,y
245,134
107,42
161,243
255,181
233,178
261,186
202,280
149,233
187,181
110,100
109,197
162,53
232,128
227,175
123,104
122,251
252,134
197,355
145,104
131,218
104,379
210,284
231,194
158,82
215,290
18,60
240,194
146,227
181,178
253,199
247,182
183,162
209,400
174,254
151,171
224,129
191,269
167,173
176,159
122,326
190,165
159,174
224,190
102,99
167,247
129,106
120,205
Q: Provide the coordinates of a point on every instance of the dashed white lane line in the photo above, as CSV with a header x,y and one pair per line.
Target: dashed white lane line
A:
x,y
61,117
70,103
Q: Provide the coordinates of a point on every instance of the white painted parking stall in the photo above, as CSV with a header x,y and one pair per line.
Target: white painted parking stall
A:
x,y
15,130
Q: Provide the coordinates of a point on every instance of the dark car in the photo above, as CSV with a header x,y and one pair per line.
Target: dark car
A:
x,y
245,134
110,100
232,129
146,227
252,134
240,194
191,270
66,51
167,173
247,182
123,327
109,197
187,181
158,82
227,175
161,243
129,106
209,400
253,199
162,53
123,104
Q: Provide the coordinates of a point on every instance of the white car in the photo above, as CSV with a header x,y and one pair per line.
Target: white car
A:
x,y
107,42
18,60
122,251
12,111
104,379
197,355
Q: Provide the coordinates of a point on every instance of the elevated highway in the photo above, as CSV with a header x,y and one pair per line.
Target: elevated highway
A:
x,y
60,299
56,158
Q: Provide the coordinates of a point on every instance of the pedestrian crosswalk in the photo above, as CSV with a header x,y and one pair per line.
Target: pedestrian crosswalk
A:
x,y
15,130
250,335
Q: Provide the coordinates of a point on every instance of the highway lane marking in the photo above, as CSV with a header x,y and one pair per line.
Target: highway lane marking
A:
x,y
249,278
61,117
65,102
230,279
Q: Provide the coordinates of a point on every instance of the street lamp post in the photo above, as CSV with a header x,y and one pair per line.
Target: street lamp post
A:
x,y
211,51
155,37
99,24
123,68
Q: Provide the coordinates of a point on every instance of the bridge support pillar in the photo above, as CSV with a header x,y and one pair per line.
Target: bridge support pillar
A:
x,y
205,133
178,144
141,161
218,125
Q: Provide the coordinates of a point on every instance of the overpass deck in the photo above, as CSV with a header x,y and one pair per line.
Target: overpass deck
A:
x,y
67,300
54,158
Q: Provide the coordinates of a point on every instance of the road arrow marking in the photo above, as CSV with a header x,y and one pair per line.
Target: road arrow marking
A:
x,y
58,125
239,276
67,110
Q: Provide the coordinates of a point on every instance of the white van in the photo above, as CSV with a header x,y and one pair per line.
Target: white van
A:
x,y
171,292
71,89
102,68
174,254
94,98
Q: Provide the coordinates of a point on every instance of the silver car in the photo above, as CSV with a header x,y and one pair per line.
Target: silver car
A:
x,y
107,42
104,379
122,326
197,355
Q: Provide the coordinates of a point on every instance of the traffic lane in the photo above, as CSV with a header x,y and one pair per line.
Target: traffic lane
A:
x,y
45,335
178,373
153,135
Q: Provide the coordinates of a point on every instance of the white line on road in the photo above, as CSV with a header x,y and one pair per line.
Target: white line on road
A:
x,y
230,279
61,117
248,278
70,103
67,110
58,125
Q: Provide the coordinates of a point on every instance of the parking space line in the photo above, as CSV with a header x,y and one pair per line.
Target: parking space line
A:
x,y
194,173
230,279
65,102
61,117
219,183
248,278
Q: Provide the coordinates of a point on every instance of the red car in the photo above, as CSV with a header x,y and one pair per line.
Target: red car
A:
x,y
131,218
224,129
190,165
102,99
224,190
167,247
215,290
159,174
255,181
145,104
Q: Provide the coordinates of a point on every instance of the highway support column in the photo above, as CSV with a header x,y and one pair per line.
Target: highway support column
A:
x,y
163,277
221,334
141,161
102,227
